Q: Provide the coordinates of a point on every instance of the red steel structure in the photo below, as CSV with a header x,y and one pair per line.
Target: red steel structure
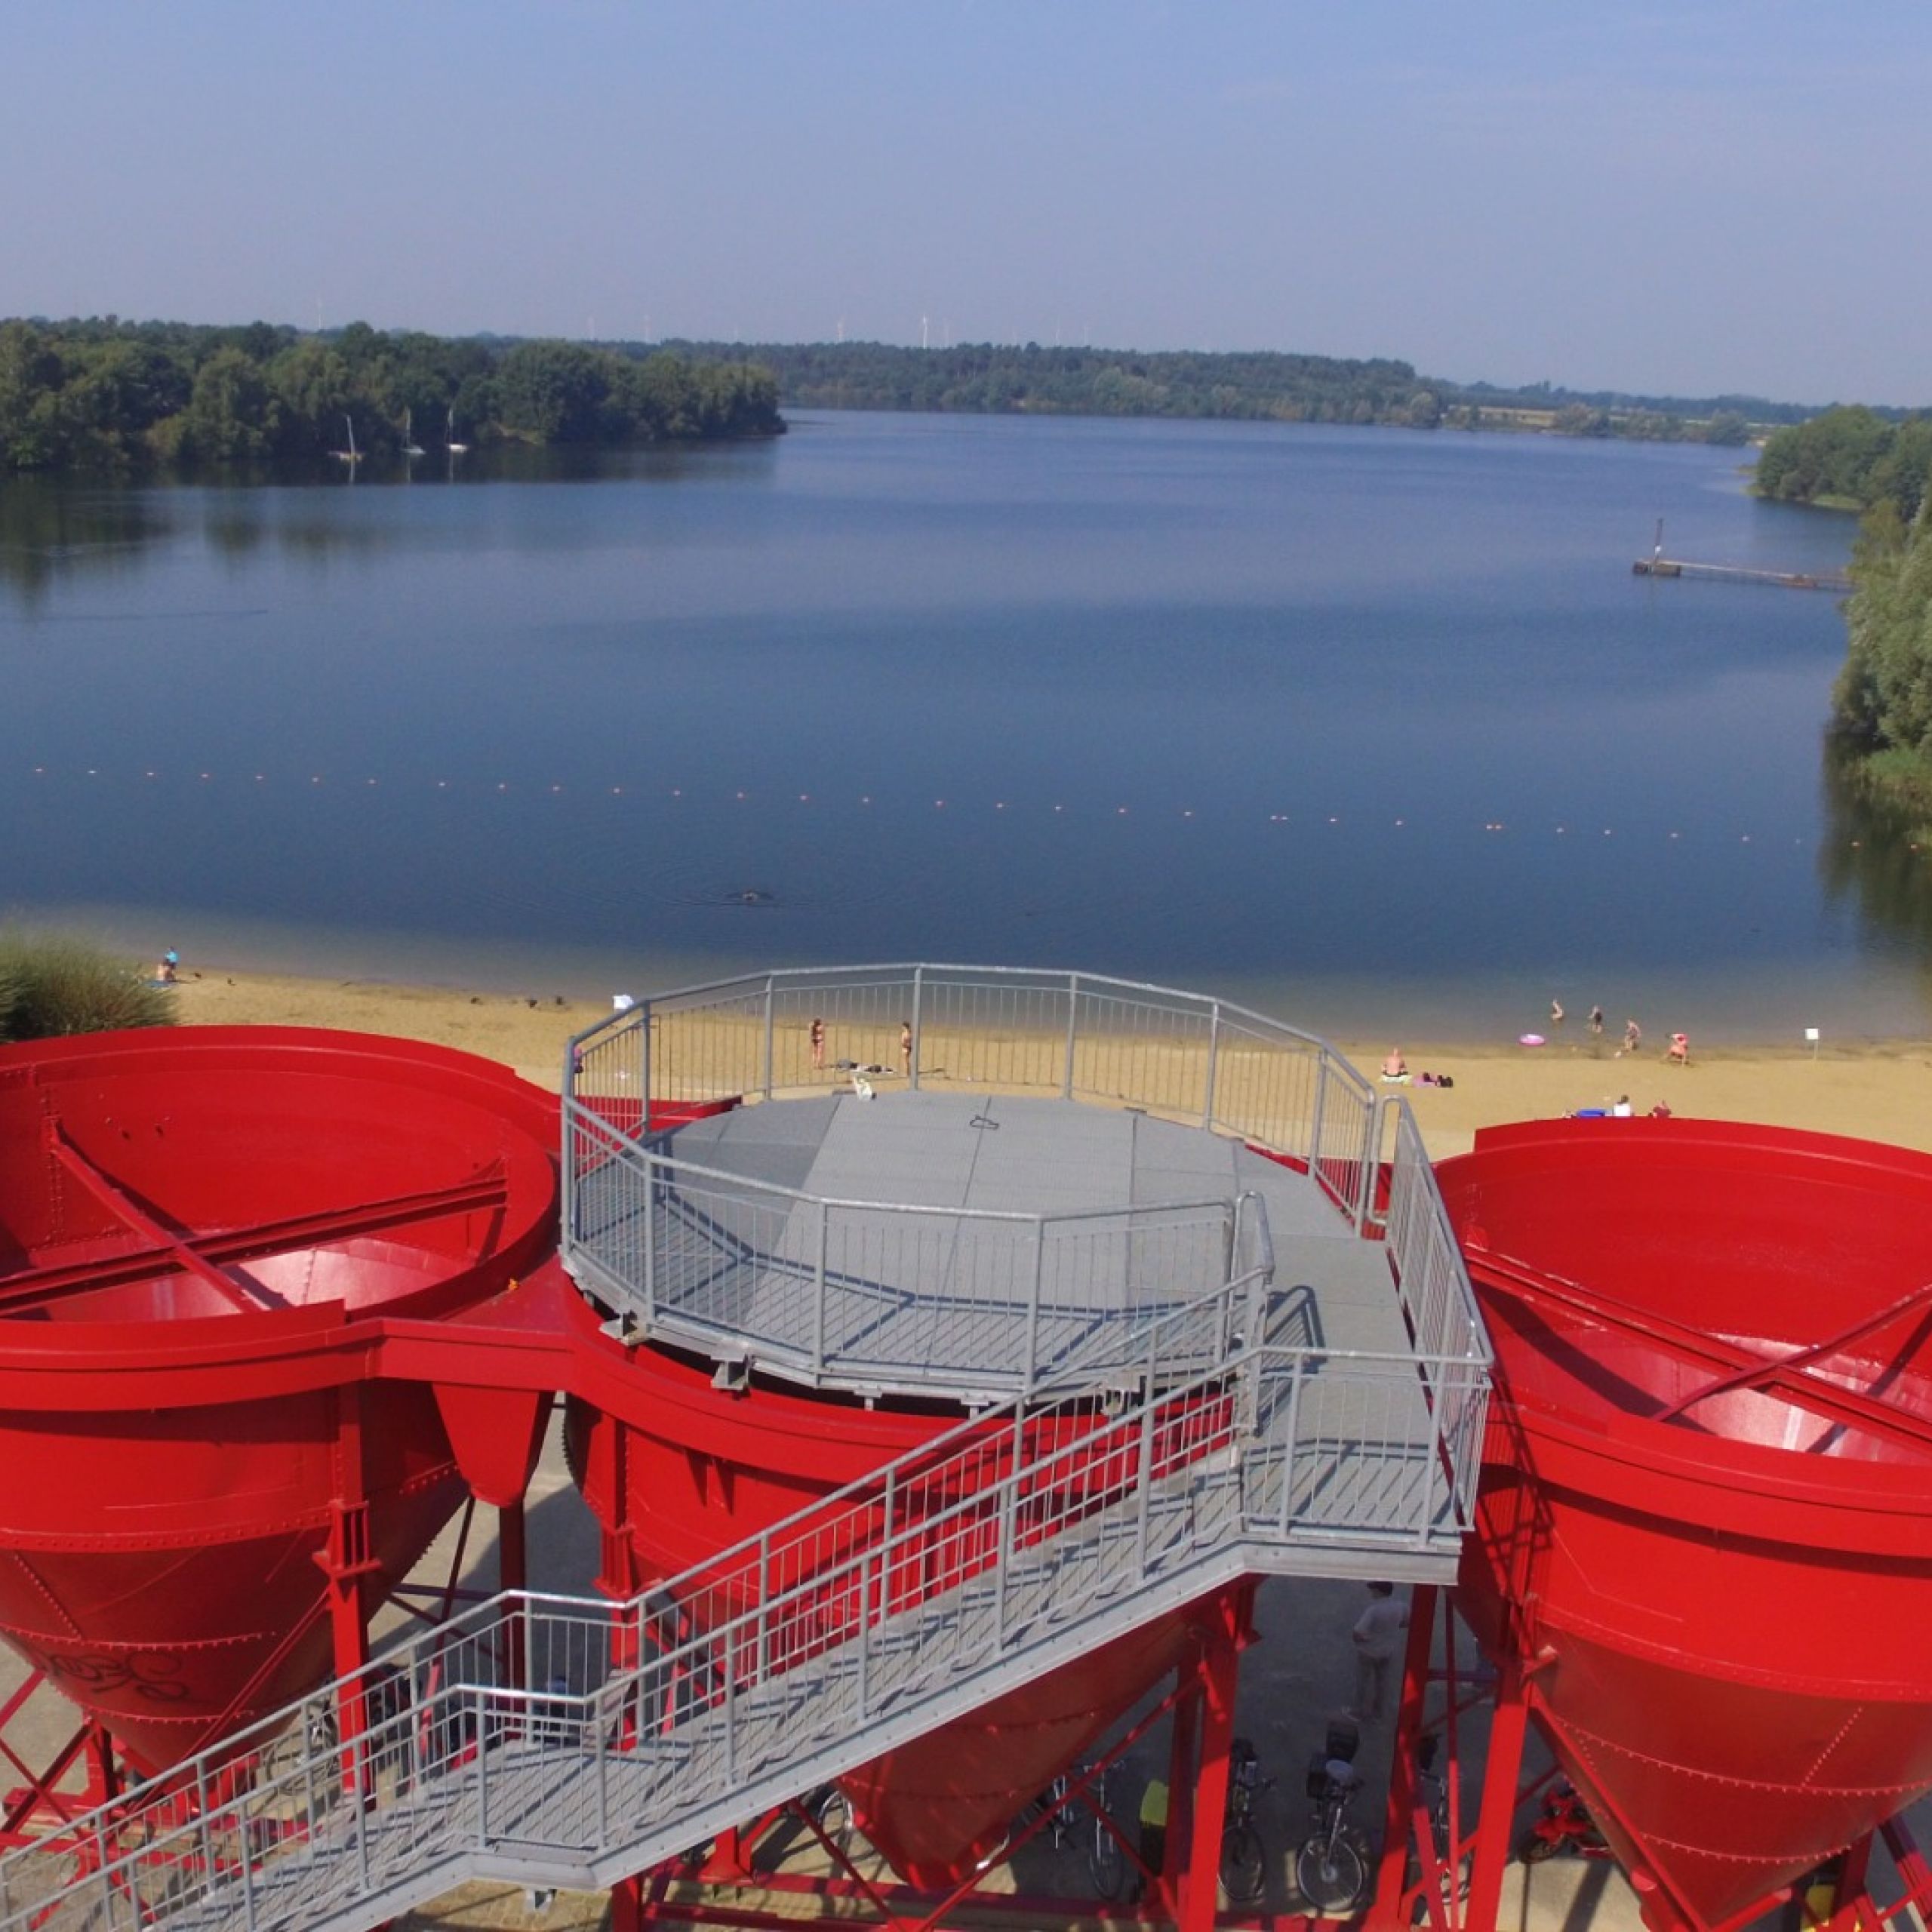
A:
x,y
1703,1562
271,1300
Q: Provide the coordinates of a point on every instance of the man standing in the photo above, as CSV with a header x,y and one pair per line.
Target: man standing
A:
x,y
1378,1642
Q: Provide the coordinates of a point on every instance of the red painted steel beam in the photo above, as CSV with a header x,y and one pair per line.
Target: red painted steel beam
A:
x,y
34,1286
1803,1358
1522,1283
116,1199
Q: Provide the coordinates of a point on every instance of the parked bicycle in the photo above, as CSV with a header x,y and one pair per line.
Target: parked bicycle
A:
x,y
1243,1858
1332,1866
1106,1863
1432,1798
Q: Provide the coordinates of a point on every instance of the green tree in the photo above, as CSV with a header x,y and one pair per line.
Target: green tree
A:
x,y
231,414
32,433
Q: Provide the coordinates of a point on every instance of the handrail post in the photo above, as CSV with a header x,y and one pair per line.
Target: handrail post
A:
x,y
1030,1372
573,1141
1371,1164
1072,1023
210,1868
643,1027
480,1732
650,1236
865,1634
1004,1537
771,991
1213,1057
1315,1117
818,1294
1144,1483
764,1605
1291,1435
918,1003
602,1725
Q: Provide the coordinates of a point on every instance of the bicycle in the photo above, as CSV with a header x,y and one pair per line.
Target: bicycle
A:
x,y
1332,1865
1106,1863
1432,1797
1243,1858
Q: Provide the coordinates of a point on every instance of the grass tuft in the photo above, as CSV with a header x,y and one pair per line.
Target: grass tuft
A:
x,y
52,984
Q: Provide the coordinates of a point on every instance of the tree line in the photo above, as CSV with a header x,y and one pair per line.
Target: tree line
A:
x,y
1883,700
108,395
1258,386
1850,458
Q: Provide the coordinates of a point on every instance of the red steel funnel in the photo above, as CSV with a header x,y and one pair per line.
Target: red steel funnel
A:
x,y
1705,1527
193,1223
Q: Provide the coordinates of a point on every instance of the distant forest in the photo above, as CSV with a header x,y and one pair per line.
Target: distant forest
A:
x,y
985,378
106,394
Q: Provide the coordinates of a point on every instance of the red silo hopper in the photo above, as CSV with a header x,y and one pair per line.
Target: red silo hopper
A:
x,y
198,1227
1705,1526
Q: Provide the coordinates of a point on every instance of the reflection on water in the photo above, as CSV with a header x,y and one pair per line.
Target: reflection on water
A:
x,y
53,529
49,531
1877,857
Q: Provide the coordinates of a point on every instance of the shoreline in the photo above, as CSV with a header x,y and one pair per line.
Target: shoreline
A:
x,y
1876,1091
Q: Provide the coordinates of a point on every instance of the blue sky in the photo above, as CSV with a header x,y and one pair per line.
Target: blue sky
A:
x,y
1706,196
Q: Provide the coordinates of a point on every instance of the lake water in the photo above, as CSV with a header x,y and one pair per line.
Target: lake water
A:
x,y
1374,729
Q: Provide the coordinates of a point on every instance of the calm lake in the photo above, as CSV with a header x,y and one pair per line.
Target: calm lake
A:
x,y
1373,729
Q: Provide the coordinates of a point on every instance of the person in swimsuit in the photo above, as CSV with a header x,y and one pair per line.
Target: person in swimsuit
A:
x,y
1679,1053
1633,1036
1394,1067
818,1045
1556,1013
905,1047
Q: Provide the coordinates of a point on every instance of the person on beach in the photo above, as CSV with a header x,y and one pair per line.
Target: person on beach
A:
x,y
1633,1036
168,970
1596,1021
1678,1053
1622,1110
905,1048
1556,1013
1395,1067
818,1045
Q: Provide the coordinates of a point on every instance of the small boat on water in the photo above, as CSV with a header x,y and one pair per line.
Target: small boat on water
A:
x,y
410,447
455,447
352,455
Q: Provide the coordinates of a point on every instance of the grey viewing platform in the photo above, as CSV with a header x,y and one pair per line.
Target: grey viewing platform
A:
x,y
1053,1169
954,1217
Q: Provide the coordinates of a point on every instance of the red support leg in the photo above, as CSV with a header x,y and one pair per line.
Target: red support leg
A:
x,y
1397,1827
1220,1675
1183,1743
513,1573
627,1905
1501,1776
347,1562
1911,1861
1854,1897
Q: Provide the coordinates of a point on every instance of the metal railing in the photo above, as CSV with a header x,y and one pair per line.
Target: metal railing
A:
x,y
825,1289
553,1740
892,1295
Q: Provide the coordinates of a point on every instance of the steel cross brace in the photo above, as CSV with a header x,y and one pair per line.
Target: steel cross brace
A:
x,y
165,1250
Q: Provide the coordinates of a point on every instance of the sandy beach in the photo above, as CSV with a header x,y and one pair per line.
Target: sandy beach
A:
x,y
1880,1091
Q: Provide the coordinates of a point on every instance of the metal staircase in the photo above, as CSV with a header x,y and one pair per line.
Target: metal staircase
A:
x,y
560,1742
